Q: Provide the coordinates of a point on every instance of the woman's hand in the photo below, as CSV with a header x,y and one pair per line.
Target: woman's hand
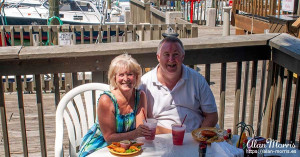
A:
x,y
142,131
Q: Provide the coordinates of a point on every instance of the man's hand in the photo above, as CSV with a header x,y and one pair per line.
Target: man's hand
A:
x,y
210,119
162,130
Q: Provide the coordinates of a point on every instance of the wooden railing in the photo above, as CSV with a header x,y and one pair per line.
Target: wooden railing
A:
x,y
279,51
258,7
259,16
86,34
199,9
145,13
262,8
95,33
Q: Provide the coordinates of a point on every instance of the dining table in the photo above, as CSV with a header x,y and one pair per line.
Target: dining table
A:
x,y
162,146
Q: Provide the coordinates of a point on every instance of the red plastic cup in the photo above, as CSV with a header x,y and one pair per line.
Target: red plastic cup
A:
x,y
151,123
178,133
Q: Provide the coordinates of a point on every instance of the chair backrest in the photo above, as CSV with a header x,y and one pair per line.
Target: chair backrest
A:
x,y
77,109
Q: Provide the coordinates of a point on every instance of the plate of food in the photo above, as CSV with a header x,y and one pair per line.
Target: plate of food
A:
x,y
125,148
208,135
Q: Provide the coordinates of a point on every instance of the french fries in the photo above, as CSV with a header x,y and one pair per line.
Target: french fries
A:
x,y
116,147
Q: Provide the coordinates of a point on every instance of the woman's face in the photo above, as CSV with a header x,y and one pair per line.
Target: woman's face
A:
x,y
125,79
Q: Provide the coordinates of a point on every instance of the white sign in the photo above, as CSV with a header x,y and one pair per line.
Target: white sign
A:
x,y
288,5
66,38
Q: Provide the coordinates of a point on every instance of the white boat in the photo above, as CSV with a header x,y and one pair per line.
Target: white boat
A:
x,y
75,12
23,2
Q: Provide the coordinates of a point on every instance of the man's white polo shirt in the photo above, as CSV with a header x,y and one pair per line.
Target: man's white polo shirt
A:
x,y
191,95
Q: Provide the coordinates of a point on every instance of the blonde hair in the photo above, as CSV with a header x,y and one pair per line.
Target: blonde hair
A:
x,y
124,61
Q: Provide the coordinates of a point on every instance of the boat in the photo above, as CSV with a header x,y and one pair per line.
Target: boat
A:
x,y
72,12
76,12
22,2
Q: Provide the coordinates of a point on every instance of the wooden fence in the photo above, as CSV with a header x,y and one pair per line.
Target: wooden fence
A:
x,y
155,13
95,33
199,10
145,13
279,51
258,16
262,8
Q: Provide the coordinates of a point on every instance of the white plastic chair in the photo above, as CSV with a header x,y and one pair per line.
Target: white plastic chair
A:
x,y
76,108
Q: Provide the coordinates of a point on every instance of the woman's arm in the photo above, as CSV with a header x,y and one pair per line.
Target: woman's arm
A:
x,y
107,123
141,109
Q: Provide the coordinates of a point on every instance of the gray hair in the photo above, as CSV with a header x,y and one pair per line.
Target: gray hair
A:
x,y
171,39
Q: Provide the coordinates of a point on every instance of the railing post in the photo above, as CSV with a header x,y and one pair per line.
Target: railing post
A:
x,y
270,92
252,93
49,35
246,79
279,82
91,34
194,32
3,120
39,101
3,36
287,103
147,12
294,122
132,10
222,95
262,87
12,35
207,73
30,36
22,35
22,114
226,23
56,89
82,34
238,79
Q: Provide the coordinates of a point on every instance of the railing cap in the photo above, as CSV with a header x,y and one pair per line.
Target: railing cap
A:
x,y
142,47
287,44
11,52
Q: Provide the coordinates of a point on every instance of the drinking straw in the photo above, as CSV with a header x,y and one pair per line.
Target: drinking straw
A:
x,y
145,116
183,120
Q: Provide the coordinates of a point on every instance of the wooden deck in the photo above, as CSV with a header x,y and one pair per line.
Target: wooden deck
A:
x,y
49,112
31,113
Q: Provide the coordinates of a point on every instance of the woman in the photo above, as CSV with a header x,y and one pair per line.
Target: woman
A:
x,y
120,110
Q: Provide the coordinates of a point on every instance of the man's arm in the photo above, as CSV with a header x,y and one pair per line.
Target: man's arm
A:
x,y
210,119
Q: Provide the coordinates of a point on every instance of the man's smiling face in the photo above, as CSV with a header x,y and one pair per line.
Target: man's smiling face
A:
x,y
170,58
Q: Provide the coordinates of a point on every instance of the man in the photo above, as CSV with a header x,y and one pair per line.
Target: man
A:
x,y
173,90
